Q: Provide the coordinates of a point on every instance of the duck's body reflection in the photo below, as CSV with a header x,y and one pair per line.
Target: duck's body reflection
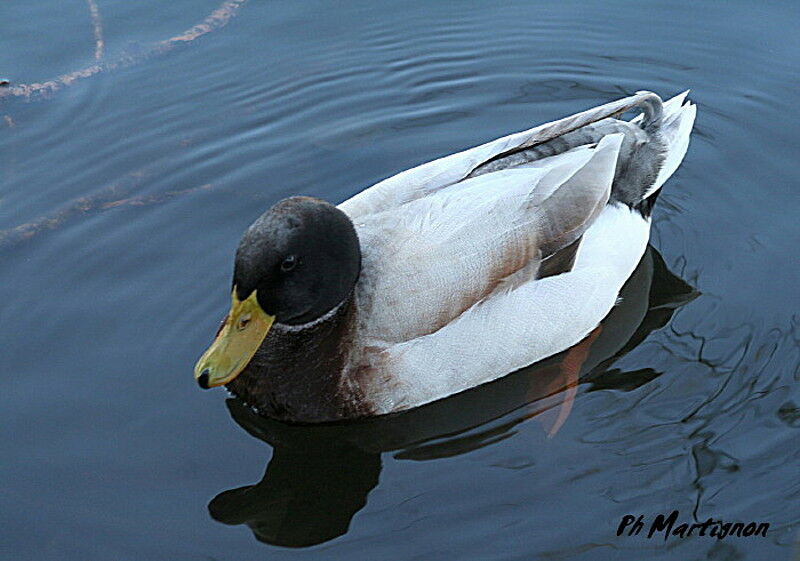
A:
x,y
319,475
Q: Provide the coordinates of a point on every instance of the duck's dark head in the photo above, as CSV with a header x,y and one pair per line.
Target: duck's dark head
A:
x,y
294,264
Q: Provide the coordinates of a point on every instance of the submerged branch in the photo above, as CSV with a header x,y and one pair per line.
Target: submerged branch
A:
x,y
113,196
215,20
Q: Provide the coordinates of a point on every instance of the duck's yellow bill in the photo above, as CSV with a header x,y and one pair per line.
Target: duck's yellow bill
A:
x,y
236,343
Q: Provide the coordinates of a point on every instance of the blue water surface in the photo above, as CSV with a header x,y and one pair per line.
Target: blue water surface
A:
x,y
123,196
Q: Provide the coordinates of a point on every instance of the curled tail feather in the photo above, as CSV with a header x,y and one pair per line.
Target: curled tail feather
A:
x,y
652,110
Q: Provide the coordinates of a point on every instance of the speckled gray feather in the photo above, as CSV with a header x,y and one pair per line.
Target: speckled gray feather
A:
x,y
640,157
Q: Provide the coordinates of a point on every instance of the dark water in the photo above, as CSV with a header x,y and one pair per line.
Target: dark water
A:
x,y
123,196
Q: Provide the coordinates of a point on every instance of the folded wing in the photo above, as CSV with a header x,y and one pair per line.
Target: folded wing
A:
x,y
433,258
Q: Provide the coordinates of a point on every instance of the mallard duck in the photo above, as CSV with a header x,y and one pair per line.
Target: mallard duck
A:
x,y
447,275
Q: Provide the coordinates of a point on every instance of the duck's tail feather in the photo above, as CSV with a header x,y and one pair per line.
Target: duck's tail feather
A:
x,y
652,110
675,127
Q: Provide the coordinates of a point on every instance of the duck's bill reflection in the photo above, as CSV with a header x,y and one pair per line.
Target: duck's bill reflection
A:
x,y
240,337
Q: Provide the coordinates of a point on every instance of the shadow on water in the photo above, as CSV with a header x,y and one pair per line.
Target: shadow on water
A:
x,y
319,476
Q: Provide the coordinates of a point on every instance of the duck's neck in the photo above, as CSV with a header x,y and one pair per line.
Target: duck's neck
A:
x,y
297,373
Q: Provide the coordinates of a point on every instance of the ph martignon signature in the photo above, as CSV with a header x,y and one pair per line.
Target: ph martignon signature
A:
x,y
668,526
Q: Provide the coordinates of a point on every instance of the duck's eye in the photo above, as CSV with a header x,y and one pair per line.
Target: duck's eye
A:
x,y
288,263
243,321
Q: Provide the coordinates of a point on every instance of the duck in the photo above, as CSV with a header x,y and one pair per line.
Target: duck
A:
x,y
448,275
